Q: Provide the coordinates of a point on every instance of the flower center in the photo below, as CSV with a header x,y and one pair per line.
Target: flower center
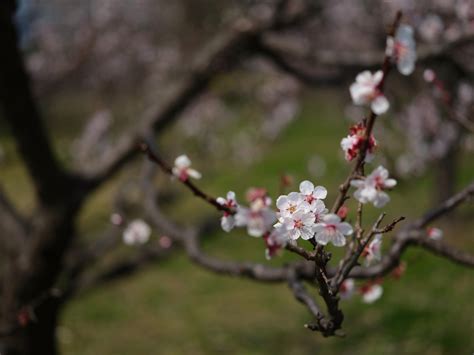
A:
x,y
331,228
298,224
379,183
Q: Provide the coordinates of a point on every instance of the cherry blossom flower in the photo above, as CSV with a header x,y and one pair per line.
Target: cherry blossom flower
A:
x,y
402,49
299,224
182,169
291,203
372,251
352,144
318,208
228,220
371,188
346,290
371,292
275,240
366,91
331,229
435,233
312,193
137,232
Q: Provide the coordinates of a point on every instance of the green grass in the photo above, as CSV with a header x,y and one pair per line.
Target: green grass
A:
x,y
174,307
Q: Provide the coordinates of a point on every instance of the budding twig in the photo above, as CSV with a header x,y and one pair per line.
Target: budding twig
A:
x,y
145,148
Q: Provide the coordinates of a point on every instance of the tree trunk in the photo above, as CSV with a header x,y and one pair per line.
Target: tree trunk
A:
x,y
36,338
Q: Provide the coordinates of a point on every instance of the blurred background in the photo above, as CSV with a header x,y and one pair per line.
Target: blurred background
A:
x,y
97,67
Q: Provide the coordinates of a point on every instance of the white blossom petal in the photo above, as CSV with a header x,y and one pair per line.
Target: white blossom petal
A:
x,y
380,105
306,187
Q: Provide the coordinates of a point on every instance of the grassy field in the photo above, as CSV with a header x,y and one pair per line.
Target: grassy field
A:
x,y
174,307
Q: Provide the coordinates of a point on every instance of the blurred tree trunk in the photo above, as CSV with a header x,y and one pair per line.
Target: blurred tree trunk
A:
x,y
32,268
446,175
38,338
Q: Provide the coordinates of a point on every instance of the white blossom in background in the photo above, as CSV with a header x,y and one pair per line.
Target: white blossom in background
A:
x,y
431,28
402,49
331,229
371,188
182,169
259,218
353,142
371,293
316,166
366,91
373,251
275,240
429,75
116,219
228,220
347,288
137,232
435,233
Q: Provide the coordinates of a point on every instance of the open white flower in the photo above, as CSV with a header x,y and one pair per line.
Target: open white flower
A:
x,y
371,188
137,232
299,224
311,193
228,220
371,292
182,169
402,49
331,229
291,203
373,251
346,290
366,91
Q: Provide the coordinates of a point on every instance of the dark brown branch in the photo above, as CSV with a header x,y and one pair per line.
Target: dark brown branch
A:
x,y
188,183
445,207
354,61
15,228
302,295
305,76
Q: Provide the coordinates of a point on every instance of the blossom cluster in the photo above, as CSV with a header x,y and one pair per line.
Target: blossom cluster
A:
x,y
367,88
370,291
304,215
